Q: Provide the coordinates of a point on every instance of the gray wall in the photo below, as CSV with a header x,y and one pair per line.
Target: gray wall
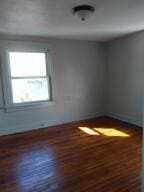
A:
x,y
125,77
78,82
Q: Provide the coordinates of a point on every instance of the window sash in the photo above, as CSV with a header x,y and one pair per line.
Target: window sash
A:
x,y
28,60
29,77
39,100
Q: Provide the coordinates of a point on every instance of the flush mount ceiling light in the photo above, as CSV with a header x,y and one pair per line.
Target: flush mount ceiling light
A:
x,y
83,11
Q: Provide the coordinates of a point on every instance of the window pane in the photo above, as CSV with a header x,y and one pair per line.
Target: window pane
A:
x,y
28,90
27,64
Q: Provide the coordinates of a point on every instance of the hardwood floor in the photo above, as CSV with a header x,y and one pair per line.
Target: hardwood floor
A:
x,y
73,157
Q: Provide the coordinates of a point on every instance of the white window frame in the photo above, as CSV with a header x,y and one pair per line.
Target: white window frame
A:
x,y
6,85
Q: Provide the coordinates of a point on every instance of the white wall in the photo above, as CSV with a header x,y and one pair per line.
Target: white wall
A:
x,y
78,82
87,77
125,69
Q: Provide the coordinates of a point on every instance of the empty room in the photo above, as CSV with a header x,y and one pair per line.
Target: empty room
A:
x,y
71,95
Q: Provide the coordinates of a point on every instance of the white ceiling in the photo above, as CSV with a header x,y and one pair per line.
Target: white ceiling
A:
x,y
54,18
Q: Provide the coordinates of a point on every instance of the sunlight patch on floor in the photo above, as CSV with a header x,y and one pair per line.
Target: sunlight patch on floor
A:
x,y
88,130
111,132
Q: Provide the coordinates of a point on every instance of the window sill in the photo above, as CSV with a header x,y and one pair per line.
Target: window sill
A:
x,y
29,106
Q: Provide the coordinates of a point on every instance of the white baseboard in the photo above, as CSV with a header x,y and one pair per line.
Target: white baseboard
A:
x,y
126,118
41,124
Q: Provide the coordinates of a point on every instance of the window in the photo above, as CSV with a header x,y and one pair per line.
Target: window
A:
x,y
28,77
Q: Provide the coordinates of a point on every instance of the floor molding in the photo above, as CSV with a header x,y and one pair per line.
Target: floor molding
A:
x,y
44,124
124,118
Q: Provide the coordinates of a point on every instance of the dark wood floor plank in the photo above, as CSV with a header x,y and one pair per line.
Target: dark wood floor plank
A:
x,y
66,159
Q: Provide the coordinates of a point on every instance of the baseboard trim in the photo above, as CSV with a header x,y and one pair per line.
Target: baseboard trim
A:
x,y
46,124
124,118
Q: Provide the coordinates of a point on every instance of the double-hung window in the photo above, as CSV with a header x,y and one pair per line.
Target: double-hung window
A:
x,y
26,74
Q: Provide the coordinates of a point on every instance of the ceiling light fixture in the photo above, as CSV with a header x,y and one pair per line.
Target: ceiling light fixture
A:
x,y
83,11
